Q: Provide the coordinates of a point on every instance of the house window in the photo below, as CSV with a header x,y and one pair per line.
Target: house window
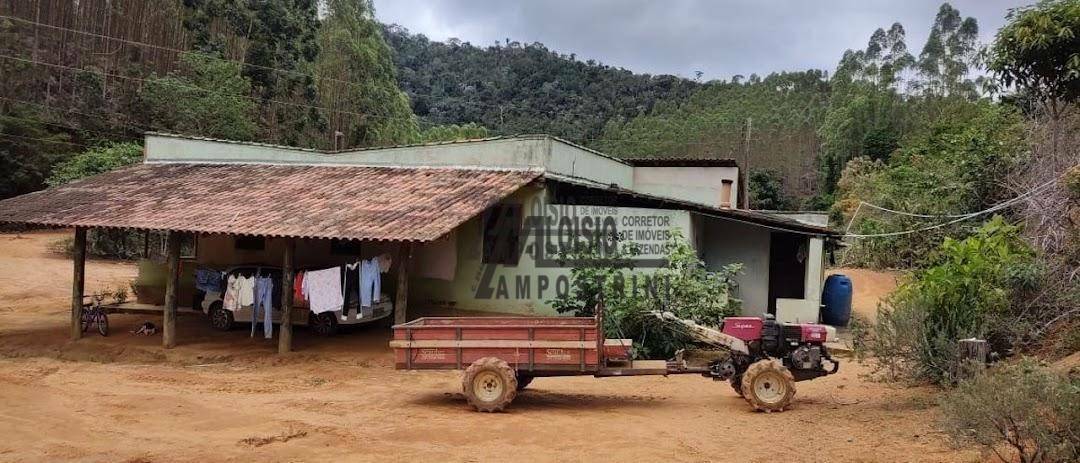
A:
x,y
249,243
344,247
502,233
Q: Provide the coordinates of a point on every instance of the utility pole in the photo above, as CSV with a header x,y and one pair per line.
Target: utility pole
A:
x,y
745,171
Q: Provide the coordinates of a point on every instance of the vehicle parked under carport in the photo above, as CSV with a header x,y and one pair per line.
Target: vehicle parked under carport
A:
x,y
325,324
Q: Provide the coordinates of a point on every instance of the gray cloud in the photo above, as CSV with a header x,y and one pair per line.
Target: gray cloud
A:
x,y
719,38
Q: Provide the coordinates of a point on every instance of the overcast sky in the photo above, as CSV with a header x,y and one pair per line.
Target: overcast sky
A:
x,y
719,38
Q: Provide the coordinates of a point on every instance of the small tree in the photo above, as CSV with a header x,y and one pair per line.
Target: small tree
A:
x,y
1038,51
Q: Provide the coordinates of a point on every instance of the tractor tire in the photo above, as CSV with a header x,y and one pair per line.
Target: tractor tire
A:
x,y
490,384
736,384
523,382
768,385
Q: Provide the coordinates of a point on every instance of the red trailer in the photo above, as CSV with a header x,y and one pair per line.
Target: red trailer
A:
x,y
501,355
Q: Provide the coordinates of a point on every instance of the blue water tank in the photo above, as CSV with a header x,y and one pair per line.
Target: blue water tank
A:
x,y
837,300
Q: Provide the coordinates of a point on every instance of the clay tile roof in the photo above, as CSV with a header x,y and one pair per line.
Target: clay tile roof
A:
x,y
351,202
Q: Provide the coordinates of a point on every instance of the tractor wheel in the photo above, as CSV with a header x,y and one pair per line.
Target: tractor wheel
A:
x,y
523,382
768,385
490,384
736,384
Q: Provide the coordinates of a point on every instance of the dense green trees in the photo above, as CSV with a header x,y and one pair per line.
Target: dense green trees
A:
x,y
514,88
366,105
207,95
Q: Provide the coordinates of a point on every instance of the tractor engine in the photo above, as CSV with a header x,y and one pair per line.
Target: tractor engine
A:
x,y
800,346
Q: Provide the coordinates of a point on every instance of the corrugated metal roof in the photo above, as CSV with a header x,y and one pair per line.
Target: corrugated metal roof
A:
x,y
364,203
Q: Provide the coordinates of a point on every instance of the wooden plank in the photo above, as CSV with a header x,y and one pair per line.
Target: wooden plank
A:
x,y
78,282
490,343
285,330
172,283
637,368
401,301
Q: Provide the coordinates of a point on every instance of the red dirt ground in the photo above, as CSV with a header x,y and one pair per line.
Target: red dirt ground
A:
x,y
227,397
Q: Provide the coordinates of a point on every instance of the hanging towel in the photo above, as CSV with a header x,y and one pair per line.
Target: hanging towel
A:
x,y
370,282
245,294
231,300
322,289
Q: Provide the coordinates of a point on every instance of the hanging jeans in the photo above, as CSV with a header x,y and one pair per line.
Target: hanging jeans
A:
x,y
370,282
264,291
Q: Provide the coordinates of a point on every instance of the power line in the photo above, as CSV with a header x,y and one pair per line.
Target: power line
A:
x,y
110,134
266,100
177,50
42,140
963,217
53,108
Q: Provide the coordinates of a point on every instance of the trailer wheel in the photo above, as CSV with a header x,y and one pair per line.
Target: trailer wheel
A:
x,y
768,385
490,384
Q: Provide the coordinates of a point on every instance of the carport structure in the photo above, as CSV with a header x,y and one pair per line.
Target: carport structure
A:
x,y
404,206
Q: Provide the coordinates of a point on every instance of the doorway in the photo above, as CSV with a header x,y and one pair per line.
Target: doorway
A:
x,y
787,267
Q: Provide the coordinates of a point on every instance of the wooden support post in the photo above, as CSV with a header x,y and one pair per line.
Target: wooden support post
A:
x,y
77,282
401,301
172,283
285,332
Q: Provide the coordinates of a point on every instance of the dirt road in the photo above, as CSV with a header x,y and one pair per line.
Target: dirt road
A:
x,y
227,397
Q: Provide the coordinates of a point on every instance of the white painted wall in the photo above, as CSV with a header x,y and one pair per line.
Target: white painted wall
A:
x,y
725,242
701,185
526,152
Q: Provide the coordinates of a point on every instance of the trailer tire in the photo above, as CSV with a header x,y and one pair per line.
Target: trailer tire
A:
x,y
490,384
768,385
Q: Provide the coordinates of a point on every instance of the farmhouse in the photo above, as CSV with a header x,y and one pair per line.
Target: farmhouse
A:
x,y
475,225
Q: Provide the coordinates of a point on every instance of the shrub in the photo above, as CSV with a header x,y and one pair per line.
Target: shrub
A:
x,y
94,161
1024,409
954,166
963,293
683,286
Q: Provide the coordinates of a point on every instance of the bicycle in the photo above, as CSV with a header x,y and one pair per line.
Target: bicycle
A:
x,y
93,314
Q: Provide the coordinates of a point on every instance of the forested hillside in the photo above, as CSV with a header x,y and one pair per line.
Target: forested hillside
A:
x,y
80,74
513,88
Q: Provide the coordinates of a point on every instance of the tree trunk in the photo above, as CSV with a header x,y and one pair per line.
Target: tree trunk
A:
x,y
77,280
285,332
172,283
